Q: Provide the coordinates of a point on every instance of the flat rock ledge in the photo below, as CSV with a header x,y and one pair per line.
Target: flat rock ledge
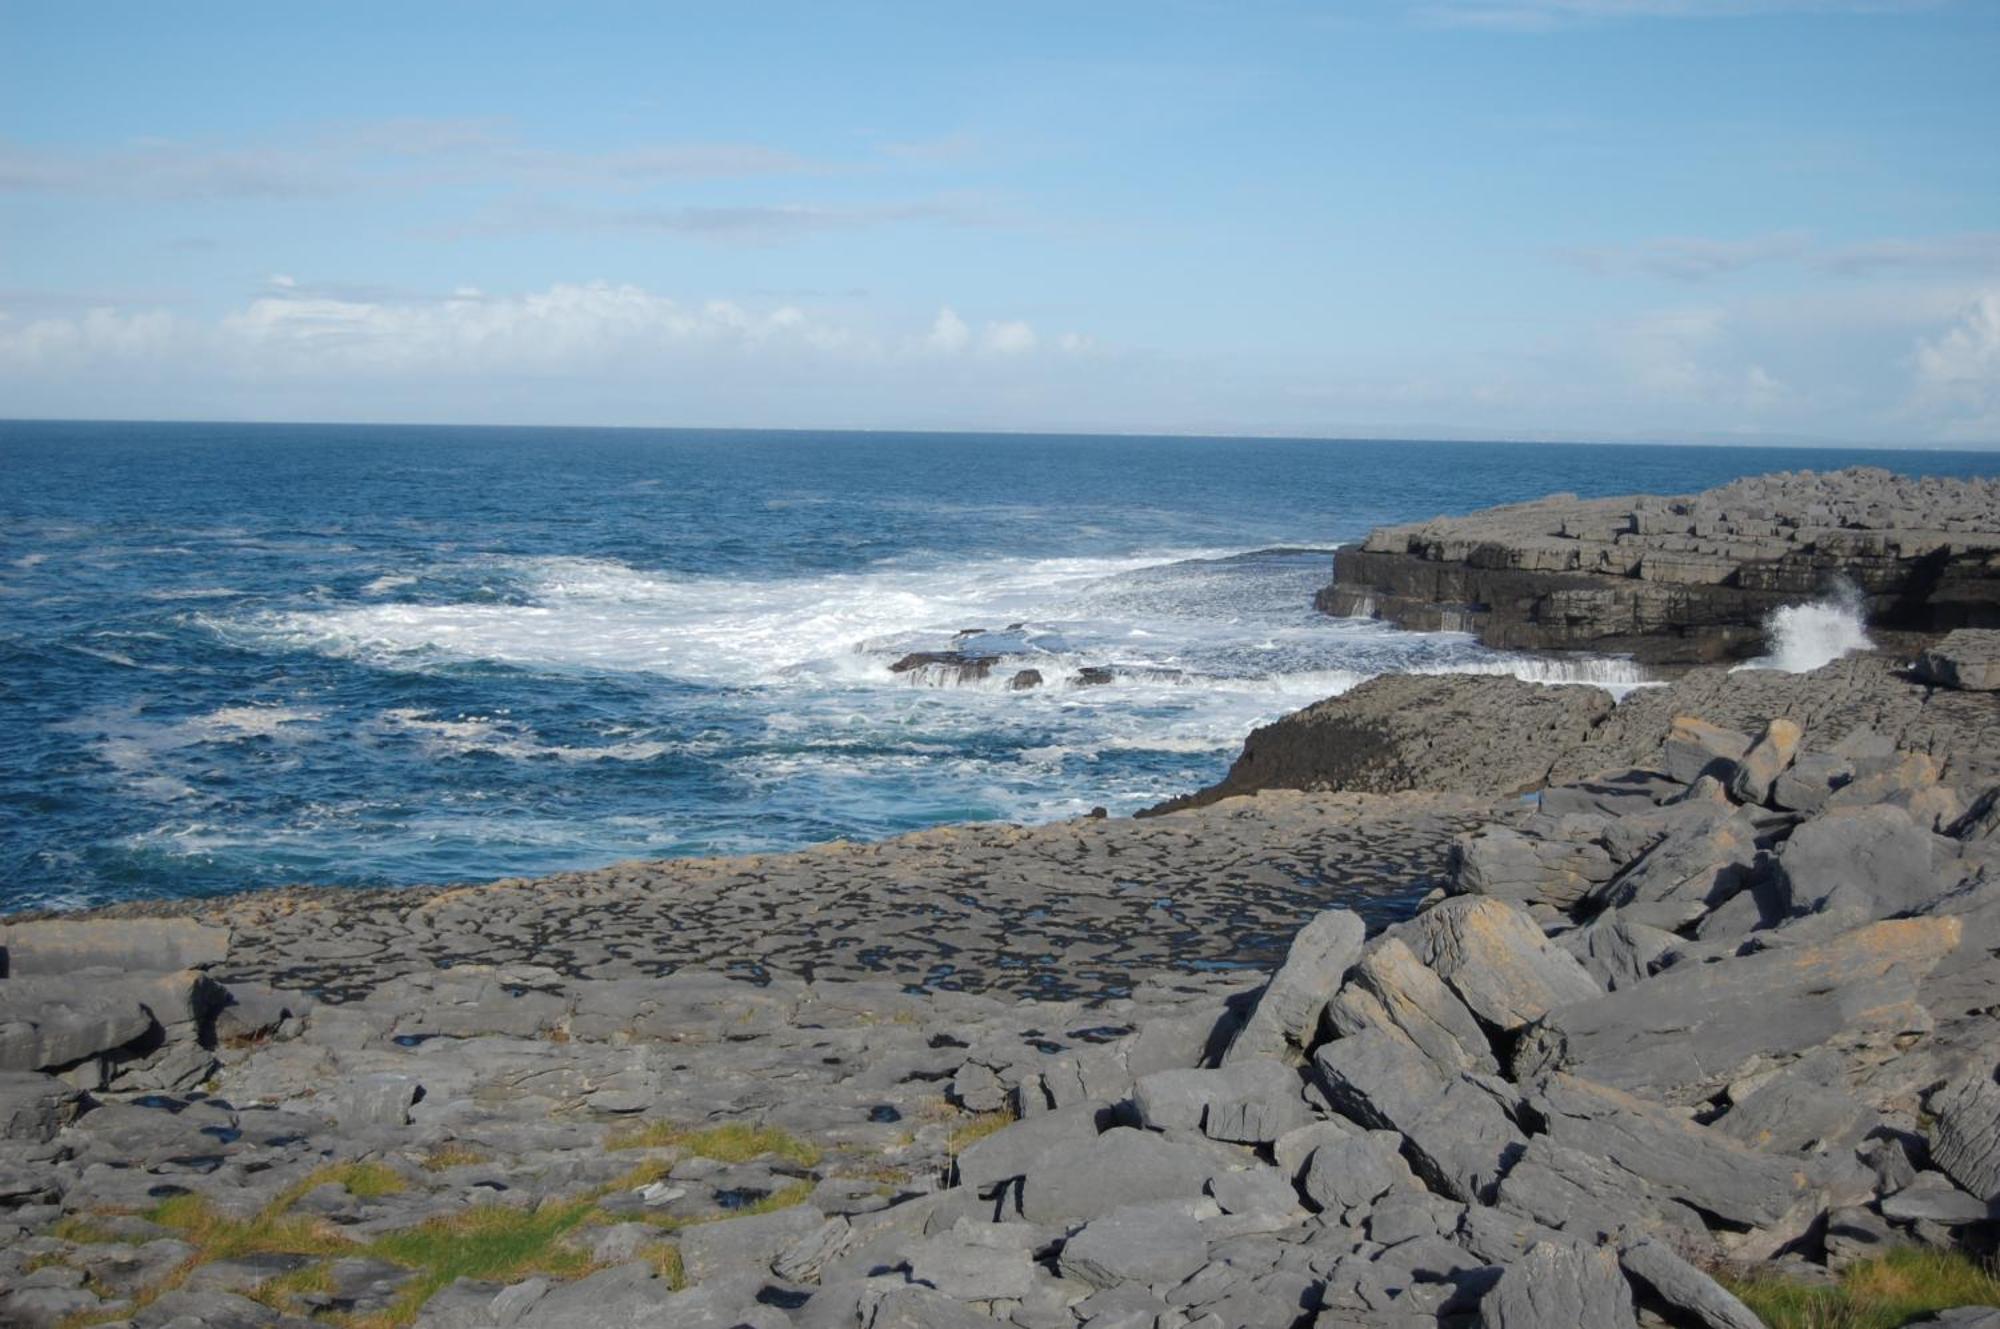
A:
x,y
1689,579
1727,1007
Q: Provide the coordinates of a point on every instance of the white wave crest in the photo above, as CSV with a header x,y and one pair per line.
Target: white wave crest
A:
x,y
1803,637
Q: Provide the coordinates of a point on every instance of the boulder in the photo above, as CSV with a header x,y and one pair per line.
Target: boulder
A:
x,y
33,1107
1967,659
1150,1244
1706,856
1688,1295
1495,959
1560,1286
1695,748
1250,1101
1010,1151
1288,1011
1759,768
1810,781
1966,1138
1345,1177
1390,989
1547,860
1855,865
1690,1029
1077,1180
1457,1136
59,946
1618,952
1665,1154
747,1244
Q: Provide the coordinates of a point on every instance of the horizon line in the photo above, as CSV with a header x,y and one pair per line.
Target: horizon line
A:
x,y
1787,444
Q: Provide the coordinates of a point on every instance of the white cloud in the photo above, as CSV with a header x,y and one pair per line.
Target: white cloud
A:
x,y
948,333
1958,373
1010,338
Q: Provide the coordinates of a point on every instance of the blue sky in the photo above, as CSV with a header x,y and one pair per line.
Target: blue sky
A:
x,y
1674,219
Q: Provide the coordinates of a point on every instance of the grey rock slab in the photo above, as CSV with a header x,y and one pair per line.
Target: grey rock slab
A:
x,y
1767,759
45,1307
1288,1011
59,946
1966,1139
1250,1100
1694,748
1967,659
1706,856
1345,1178
1010,1151
1859,864
1496,959
1159,1244
1810,781
1932,1196
1800,1109
1077,1180
1618,952
34,1106
1255,1190
924,1308
1672,1155
967,1270
747,1244
1549,860
1690,1029
1458,1137
1558,1286
1692,1296
1391,989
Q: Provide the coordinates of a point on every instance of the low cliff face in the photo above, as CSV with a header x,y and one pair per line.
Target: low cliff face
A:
x,y
1690,579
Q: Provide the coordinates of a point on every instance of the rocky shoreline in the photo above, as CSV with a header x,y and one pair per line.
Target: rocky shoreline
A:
x,y
1688,579
1461,1002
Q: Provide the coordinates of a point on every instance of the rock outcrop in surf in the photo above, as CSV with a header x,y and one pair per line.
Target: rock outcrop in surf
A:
x,y
1689,579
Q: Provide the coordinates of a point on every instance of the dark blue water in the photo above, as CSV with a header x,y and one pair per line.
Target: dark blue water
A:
x,y
238,656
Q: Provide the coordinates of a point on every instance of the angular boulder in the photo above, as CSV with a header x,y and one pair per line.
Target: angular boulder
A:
x,y
1689,1030
1558,1286
1288,1011
1496,959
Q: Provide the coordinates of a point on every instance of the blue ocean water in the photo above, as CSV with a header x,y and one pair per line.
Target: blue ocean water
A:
x,y
247,655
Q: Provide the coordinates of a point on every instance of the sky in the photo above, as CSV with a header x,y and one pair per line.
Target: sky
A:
x,y
1699,220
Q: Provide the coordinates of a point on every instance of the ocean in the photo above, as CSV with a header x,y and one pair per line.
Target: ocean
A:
x,y
248,655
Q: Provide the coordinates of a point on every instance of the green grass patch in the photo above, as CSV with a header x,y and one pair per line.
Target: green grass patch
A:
x,y
489,1242
731,1142
1884,1293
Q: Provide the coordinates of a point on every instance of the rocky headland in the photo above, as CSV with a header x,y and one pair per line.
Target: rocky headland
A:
x,y
1688,579
1462,1002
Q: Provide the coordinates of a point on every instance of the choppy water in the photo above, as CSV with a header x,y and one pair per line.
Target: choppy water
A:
x,y
248,655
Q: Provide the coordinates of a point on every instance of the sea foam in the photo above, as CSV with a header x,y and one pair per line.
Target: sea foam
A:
x,y
1805,636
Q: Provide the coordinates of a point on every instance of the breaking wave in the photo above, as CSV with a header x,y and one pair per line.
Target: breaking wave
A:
x,y
1804,637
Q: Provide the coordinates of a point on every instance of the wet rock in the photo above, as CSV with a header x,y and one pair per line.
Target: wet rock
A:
x,y
1025,679
944,668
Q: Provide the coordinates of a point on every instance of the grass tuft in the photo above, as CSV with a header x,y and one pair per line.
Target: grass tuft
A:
x,y
1884,1293
451,1155
976,1128
489,1242
731,1142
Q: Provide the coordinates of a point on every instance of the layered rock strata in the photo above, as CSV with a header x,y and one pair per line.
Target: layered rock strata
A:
x,y
1686,579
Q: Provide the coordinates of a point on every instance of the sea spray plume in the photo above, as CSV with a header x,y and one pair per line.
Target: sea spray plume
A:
x,y
1801,638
